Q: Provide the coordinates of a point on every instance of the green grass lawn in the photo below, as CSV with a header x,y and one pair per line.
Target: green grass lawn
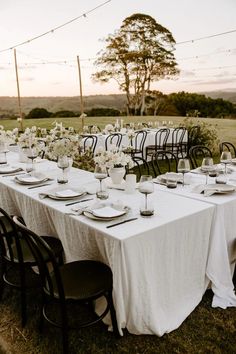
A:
x,y
226,128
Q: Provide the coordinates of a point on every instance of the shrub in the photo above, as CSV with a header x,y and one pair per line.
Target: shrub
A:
x,y
207,134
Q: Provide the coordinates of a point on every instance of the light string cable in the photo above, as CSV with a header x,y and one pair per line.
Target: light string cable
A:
x,y
206,37
55,28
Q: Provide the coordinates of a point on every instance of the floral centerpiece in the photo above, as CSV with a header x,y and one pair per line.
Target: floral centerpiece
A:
x,y
109,128
62,147
7,137
115,161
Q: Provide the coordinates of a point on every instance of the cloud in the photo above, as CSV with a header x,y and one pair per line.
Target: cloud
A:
x,y
216,82
187,73
26,67
27,79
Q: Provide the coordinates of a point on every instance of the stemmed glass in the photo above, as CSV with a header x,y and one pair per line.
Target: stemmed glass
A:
x,y
146,187
207,166
63,163
32,154
183,167
226,158
100,173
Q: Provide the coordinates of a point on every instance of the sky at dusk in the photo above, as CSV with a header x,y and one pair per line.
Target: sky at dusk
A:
x,y
47,66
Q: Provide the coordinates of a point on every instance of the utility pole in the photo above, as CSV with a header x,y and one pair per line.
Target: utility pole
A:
x,y
18,94
82,114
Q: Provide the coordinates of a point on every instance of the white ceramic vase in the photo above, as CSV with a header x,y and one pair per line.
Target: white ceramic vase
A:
x,y
117,174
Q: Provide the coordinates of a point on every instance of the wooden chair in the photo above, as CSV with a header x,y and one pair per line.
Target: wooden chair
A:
x,y
89,142
141,167
164,161
16,260
197,153
177,146
82,282
161,137
225,145
113,139
137,143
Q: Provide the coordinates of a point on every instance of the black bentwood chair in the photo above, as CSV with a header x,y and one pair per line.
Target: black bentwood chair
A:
x,y
227,146
16,260
164,161
197,153
141,167
82,282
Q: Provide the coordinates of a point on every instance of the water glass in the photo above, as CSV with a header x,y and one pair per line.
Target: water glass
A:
x,y
183,167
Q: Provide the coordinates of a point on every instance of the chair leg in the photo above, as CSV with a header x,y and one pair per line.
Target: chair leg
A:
x,y
23,308
113,315
234,277
2,271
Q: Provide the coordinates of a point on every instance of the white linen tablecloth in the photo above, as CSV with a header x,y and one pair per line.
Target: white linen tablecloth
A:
x,y
222,250
158,263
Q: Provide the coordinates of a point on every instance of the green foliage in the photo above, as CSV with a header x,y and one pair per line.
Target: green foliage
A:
x,y
103,112
207,134
138,53
193,104
39,113
64,113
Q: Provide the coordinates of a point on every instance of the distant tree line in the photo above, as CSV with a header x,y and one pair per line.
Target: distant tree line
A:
x,y
182,103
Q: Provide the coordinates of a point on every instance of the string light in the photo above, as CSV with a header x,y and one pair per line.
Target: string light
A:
x,y
56,28
206,37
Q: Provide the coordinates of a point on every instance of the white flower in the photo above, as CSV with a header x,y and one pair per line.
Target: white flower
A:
x,y
112,158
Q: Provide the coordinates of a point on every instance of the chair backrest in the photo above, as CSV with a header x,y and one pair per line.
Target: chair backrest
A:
x,y
113,139
178,135
139,140
227,146
49,270
141,167
161,137
193,134
90,142
164,161
197,153
10,245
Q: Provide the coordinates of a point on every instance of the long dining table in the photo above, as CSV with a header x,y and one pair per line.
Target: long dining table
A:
x,y
161,264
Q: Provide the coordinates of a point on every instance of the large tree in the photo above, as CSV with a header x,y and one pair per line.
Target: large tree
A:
x,y
137,54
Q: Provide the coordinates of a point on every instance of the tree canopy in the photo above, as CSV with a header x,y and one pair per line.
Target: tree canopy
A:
x,y
137,54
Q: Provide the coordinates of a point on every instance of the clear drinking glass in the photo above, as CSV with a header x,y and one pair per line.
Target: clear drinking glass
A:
x,y
207,166
146,187
100,173
226,159
183,167
32,154
63,164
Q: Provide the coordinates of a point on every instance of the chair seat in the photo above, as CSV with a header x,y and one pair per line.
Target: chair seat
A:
x,y
83,280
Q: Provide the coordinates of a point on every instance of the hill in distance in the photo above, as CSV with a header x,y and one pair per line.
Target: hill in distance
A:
x,y
9,105
55,104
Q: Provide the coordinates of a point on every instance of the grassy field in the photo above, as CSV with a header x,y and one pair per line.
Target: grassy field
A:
x,y
226,128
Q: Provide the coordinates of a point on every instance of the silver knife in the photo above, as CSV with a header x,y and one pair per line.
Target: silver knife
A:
x,y
121,222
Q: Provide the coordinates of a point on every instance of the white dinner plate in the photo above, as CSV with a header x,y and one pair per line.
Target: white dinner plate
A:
x,y
30,180
66,194
105,213
220,188
9,169
163,178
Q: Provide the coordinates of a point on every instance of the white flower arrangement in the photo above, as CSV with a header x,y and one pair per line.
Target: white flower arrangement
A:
x,y
113,158
109,128
63,147
28,139
8,137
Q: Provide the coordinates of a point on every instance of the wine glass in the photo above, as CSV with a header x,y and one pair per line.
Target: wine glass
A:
x,y
32,153
63,163
183,167
207,166
146,187
226,158
100,173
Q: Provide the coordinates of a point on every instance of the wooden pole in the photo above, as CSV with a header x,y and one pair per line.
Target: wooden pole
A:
x,y
18,93
82,115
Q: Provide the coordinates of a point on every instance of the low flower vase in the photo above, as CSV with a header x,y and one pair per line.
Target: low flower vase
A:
x,y
22,155
117,174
